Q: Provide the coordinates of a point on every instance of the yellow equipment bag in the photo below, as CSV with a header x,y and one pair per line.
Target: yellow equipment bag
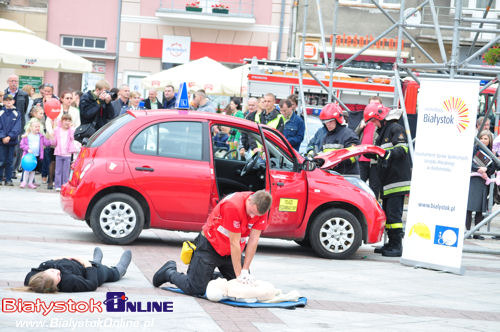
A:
x,y
187,252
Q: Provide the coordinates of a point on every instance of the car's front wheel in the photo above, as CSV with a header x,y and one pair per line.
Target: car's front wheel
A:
x,y
117,219
335,234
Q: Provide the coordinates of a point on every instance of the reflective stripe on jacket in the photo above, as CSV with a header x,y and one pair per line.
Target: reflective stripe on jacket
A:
x,y
395,168
339,138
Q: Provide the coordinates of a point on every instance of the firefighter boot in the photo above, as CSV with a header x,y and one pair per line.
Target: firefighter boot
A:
x,y
395,248
379,250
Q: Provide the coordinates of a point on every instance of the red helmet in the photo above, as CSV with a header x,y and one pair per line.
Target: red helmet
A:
x,y
332,111
375,111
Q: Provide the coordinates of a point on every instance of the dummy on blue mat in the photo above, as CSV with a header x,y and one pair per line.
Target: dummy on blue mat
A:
x,y
259,294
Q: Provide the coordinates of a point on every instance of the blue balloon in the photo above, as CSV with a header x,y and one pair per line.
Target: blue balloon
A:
x,y
28,162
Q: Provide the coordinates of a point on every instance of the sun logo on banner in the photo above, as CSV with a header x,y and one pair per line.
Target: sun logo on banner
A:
x,y
460,111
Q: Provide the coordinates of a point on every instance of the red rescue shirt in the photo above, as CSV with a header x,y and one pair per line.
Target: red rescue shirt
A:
x,y
230,215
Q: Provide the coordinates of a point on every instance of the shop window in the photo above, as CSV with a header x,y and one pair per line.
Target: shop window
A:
x,y
83,43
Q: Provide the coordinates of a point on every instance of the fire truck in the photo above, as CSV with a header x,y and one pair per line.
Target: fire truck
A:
x,y
353,91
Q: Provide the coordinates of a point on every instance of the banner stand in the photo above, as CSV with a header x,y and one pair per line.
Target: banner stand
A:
x,y
423,265
439,194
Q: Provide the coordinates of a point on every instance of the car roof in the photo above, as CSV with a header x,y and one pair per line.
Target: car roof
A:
x,y
191,115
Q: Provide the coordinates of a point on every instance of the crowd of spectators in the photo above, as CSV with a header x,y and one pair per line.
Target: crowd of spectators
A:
x,y
22,113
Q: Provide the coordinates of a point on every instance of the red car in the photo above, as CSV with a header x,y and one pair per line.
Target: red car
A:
x,y
168,169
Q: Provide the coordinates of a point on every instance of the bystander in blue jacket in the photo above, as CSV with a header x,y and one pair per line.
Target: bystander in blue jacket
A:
x,y
294,130
294,125
10,129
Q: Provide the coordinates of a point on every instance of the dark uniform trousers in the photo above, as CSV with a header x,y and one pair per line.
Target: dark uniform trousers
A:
x,y
201,269
368,171
393,208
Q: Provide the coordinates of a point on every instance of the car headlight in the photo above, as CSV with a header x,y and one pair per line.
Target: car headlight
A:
x,y
355,181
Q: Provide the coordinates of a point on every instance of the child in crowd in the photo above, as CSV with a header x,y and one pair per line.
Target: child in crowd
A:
x,y
75,274
10,129
64,147
33,141
221,136
38,113
482,168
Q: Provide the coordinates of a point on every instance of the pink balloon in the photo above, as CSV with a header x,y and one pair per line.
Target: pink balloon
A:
x,y
52,108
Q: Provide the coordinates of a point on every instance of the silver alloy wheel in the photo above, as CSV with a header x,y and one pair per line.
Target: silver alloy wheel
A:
x,y
117,219
336,235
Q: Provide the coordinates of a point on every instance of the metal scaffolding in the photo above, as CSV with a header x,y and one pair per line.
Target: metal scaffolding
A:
x,y
451,68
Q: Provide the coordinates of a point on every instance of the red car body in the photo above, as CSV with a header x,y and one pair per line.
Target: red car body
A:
x,y
161,169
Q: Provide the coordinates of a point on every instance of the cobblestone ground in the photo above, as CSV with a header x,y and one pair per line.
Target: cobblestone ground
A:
x,y
367,292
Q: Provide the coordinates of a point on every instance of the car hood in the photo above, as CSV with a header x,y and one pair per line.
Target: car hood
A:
x,y
333,158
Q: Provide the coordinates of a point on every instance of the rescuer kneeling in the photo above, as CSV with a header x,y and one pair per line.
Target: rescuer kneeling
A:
x,y
232,227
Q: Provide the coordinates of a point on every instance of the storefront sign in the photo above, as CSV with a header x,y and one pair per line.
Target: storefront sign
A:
x,y
441,172
99,67
34,81
232,53
361,41
311,50
176,49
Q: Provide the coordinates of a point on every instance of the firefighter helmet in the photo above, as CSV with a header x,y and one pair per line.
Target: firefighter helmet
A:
x,y
375,111
330,112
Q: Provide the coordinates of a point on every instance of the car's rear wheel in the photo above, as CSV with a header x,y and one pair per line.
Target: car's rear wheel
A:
x,y
335,234
117,219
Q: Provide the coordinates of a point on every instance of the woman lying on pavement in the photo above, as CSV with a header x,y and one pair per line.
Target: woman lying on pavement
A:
x,y
75,274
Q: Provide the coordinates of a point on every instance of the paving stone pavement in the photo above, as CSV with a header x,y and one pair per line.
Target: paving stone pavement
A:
x,y
367,292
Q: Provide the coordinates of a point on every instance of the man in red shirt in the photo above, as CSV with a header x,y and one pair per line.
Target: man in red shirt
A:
x,y
237,221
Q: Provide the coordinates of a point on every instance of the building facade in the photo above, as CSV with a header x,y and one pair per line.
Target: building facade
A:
x,y
125,38
33,15
360,20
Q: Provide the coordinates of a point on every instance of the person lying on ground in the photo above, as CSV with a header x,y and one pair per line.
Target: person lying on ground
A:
x,y
75,274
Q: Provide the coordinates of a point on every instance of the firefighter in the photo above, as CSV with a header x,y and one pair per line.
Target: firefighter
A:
x,y
394,171
338,136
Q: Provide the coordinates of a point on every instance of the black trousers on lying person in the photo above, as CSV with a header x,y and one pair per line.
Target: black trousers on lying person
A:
x,y
201,269
106,273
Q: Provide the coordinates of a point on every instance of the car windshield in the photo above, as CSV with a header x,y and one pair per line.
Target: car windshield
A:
x,y
108,130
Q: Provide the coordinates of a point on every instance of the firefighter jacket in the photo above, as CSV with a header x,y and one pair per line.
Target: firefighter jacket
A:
x,y
342,138
316,143
394,168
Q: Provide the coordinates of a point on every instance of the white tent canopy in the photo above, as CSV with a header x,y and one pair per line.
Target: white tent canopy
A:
x,y
236,83
204,73
21,48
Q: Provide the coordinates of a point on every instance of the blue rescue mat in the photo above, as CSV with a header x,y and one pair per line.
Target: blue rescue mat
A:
x,y
301,302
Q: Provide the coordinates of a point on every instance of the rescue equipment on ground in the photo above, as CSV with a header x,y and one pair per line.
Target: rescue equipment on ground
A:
x,y
187,251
